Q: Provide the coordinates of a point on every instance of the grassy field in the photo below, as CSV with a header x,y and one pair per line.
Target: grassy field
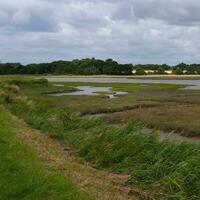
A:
x,y
23,174
164,170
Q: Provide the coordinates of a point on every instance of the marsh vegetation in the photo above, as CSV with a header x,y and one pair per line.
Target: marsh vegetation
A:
x,y
161,169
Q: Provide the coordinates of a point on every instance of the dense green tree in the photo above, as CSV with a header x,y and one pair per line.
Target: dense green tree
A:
x,y
177,71
84,66
140,71
90,66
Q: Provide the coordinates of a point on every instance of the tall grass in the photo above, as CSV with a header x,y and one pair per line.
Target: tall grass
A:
x,y
169,171
169,168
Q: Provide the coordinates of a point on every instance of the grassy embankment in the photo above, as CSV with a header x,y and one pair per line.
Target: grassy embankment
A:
x,y
165,170
23,174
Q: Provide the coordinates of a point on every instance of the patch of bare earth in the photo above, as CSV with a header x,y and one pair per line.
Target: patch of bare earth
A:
x,y
98,184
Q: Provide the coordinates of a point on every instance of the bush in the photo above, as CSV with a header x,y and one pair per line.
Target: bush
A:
x,y
140,72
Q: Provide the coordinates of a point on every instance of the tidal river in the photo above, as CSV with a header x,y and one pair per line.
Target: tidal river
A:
x,y
190,84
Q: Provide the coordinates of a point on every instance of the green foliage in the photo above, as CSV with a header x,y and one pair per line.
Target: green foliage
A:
x,y
85,67
41,82
140,71
71,121
22,174
177,71
171,167
155,67
94,66
170,170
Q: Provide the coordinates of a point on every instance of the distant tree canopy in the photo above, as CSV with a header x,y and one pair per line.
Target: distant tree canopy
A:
x,y
187,69
83,67
94,67
152,67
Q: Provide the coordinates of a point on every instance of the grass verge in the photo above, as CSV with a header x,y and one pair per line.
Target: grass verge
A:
x,y
22,173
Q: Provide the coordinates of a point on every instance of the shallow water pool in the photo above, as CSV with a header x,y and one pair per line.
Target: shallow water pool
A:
x,y
91,91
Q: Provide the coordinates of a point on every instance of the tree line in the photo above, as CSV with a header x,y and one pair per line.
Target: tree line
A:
x,y
83,67
94,67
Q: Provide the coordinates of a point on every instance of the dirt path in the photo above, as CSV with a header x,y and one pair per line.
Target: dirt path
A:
x,y
96,183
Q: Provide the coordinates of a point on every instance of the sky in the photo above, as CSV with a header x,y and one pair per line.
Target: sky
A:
x,y
129,31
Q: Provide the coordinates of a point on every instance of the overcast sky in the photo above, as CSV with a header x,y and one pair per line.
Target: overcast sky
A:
x,y
130,31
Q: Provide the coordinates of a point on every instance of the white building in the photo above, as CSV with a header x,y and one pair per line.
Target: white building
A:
x,y
168,71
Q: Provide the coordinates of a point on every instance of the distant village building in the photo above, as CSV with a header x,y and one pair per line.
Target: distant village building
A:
x,y
168,71
134,71
149,71
184,71
146,71
153,71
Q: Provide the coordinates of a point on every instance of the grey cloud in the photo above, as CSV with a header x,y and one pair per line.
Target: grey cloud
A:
x,y
24,17
125,11
176,12
148,31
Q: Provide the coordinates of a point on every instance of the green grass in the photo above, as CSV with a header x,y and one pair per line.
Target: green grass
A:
x,y
164,107
22,173
183,119
95,104
167,170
